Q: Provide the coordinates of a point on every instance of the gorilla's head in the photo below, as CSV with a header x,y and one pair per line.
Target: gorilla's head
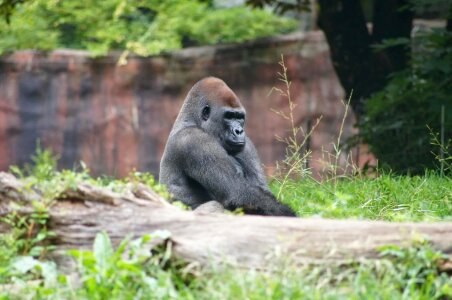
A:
x,y
217,110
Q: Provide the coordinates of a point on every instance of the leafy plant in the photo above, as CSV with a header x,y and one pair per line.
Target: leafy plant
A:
x,y
415,269
9,249
23,249
43,167
147,179
238,24
396,119
27,29
133,270
444,155
31,231
24,268
129,271
140,27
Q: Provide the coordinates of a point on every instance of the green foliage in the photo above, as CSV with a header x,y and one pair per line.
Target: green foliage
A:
x,y
444,155
147,179
43,174
43,167
130,271
31,231
417,266
24,268
27,240
135,269
29,30
403,273
396,119
239,24
386,197
7,8
437,8
140,27
29,236
9,249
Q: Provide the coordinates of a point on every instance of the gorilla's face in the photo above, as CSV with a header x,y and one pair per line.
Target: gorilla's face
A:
x,y
227,125
233,121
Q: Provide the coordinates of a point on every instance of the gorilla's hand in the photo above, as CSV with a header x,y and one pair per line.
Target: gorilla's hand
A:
x,y
277,209
283,210
267,205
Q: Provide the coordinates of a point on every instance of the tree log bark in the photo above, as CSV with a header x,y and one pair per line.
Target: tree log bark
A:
x,y
249,241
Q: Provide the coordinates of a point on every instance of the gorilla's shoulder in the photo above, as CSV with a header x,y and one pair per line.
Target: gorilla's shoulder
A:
x,y
190,138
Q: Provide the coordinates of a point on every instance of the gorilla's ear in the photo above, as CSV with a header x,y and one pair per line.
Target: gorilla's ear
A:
x,y
205,112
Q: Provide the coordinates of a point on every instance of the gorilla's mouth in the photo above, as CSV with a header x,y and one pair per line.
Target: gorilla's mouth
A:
x,y
235,146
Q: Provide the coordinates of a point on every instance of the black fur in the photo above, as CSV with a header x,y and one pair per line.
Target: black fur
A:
x,y
208,157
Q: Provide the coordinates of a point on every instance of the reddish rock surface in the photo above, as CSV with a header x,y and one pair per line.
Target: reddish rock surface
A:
x,y
117,118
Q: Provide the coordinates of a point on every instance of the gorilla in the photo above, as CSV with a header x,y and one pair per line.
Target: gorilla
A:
x,y
208,156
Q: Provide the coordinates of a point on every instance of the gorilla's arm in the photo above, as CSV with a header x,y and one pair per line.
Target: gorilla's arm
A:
x,y
251,164
205,161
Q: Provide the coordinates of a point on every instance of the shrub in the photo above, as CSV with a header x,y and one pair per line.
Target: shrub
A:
x,y
396,118
140,27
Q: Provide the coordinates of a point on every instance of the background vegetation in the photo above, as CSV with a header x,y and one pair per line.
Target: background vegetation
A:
x,y
141,27
399,76
405,122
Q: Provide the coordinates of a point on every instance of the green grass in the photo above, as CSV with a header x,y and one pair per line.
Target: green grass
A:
x,y
371,280
387,197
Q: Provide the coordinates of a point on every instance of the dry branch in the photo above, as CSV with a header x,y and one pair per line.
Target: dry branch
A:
x,y
247,240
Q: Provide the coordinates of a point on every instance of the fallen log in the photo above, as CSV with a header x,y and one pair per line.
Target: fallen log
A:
x,y
250,241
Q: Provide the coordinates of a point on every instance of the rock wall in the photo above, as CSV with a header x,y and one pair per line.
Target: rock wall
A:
x,y
117,118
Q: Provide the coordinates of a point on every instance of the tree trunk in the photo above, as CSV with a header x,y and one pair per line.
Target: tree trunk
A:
x,y
345,29
449,18
249,241
392,19
359,68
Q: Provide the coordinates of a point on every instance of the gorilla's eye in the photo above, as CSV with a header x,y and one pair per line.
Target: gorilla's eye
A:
x,y
205,112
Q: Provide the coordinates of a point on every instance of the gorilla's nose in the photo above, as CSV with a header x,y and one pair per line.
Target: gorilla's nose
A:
x,y
238,131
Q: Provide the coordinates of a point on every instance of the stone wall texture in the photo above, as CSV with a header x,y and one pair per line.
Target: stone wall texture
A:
x,y
117,118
